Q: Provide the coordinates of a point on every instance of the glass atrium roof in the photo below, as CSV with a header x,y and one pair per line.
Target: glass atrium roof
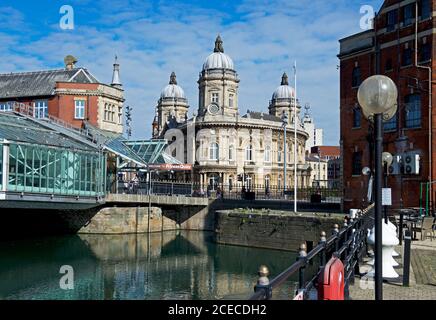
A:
x,y
17,128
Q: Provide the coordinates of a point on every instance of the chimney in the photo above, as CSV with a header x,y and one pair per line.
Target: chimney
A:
x,y
70,62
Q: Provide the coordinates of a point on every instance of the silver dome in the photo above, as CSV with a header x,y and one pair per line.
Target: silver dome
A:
x,y
218,59
172,90
284,91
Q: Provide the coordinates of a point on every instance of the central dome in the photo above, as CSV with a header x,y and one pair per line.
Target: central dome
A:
x,y
284,91
218,59
172,90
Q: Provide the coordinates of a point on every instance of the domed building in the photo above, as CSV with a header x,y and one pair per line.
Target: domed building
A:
x,y
229,150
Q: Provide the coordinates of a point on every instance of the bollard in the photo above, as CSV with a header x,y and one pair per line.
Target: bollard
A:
x,y
406,257
263,282
302,254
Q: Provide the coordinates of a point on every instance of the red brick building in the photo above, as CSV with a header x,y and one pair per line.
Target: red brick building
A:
x,y
326,152
72,95
401,47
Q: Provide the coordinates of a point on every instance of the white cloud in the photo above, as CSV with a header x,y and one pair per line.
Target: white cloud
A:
x,y
152,39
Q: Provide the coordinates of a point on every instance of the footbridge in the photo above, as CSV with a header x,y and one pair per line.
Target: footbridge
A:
x,y
156,200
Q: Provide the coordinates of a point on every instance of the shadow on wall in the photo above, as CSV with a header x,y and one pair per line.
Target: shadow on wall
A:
x,y
23,223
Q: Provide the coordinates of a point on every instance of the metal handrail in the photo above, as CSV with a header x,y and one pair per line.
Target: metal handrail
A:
x,y
355,228
29,111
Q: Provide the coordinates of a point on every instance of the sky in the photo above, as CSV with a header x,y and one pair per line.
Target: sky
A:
x,y
154,38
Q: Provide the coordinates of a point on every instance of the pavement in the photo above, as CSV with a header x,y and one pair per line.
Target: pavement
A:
x,y
422,277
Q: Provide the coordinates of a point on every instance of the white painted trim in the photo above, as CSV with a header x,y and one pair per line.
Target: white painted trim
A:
x,y
5,166
83,71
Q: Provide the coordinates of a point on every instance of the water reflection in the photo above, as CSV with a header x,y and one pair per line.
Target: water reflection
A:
x,y
170,265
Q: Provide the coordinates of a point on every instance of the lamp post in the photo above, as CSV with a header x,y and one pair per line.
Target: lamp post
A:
x,y
285,124
377,96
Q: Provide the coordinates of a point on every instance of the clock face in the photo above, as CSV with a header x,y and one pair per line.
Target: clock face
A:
x,y
213,109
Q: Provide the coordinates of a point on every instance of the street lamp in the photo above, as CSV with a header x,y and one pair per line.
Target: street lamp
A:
x,y
377,96
285,124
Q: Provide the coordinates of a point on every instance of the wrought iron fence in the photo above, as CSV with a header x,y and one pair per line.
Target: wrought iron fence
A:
x,y
348,244
255,192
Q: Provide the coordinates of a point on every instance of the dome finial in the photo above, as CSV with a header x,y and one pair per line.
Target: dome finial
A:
x,y
218,45
173,79
285,79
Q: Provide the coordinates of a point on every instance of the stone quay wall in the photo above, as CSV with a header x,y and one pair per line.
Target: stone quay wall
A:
x,y
117,220
283,231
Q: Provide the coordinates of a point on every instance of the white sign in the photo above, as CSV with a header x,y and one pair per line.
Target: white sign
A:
x,y
386,196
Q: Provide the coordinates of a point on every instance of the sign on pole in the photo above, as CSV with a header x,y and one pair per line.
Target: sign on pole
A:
x,y
386,196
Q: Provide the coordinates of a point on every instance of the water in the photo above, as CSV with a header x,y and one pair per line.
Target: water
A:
x,y
170,265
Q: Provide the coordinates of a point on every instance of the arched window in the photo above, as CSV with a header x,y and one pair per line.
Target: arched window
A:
x,y
357,117
231,153
249,153
356,77
267,156
213,151
230,183
267,182
413,111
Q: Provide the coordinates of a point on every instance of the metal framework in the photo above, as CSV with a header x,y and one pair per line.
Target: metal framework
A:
x,y
37,160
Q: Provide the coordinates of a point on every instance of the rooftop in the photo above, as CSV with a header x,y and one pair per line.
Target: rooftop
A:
x,y
16,128
40,83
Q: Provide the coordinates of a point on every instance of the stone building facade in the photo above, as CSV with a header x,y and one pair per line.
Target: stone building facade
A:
x,y
399,46
230,150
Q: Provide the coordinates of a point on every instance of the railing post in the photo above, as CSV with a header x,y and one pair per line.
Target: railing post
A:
x,y
302,254
323,240
406,262
335,232
263,283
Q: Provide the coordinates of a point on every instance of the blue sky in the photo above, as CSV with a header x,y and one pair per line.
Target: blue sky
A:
x,y
154,38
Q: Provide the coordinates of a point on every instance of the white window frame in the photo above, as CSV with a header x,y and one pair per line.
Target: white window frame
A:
x,y
6,106
40,109
215,97
214,151
231,153
79,109
231,100
267,155
249,153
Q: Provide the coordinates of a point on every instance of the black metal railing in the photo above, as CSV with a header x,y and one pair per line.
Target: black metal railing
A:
x,y
231,192
347,244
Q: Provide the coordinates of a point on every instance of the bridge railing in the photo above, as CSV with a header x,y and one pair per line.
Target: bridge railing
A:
x,y
232,192
347,243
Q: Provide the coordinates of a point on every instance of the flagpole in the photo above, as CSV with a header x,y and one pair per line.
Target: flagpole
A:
x,y
295,137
